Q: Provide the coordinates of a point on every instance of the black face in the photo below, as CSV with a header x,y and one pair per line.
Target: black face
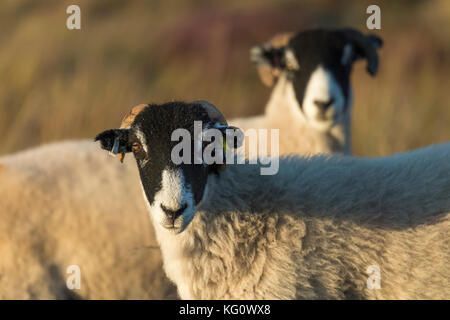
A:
x,y
172,190
319,63
320,48
157,135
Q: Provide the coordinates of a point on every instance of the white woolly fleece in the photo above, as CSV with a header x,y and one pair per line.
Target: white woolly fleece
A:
x,y
66,204
313,230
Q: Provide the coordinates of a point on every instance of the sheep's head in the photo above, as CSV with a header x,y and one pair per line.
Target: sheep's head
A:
x,y
319,63
171,144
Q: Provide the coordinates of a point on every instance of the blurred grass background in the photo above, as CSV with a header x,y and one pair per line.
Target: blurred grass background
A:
x,y
61,84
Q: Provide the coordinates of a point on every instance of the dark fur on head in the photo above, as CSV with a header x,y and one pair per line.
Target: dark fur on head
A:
x,y
149,137
270,57
318,63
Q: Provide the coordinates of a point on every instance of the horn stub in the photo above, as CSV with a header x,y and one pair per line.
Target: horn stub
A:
x,y
281,39
212,111
128,120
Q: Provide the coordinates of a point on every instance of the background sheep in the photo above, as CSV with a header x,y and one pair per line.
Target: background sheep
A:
x,y
312,99
54,214
311,231
90,77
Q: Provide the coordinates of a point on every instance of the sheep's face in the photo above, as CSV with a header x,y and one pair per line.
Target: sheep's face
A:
x,y
319,63
172,190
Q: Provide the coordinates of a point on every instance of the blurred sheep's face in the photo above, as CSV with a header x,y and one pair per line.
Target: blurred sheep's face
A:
x,y
318,64
321,79
172,191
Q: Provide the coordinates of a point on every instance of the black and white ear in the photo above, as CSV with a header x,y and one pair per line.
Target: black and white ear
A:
x,y
272,57
360,46
268,62
115,141
348,55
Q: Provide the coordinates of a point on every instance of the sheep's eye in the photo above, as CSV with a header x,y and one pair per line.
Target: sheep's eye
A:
x,y
136,146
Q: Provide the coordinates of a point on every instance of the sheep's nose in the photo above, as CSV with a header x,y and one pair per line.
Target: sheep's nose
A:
x,y
173,214
323,105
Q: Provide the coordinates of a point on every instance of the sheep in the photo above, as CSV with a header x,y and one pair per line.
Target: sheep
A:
x,y
61,205
316,230
312,99
37,172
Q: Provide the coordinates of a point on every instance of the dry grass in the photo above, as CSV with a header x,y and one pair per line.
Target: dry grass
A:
x,y
60,84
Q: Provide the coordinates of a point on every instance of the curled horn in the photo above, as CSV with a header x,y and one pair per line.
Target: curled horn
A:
x,y
281,39
368,45
266,72
128,120
216,117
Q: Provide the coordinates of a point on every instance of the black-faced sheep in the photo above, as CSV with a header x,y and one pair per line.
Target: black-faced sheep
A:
x,y
311,101
313,230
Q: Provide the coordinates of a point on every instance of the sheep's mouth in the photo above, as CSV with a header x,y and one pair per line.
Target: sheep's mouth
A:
x,y
327,120
171,227
174,225
324,122
180,223
325,117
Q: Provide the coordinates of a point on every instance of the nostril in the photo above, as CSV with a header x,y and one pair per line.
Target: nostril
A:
x,y
173,214
324,105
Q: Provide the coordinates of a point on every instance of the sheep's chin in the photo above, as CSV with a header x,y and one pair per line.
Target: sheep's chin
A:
x,y
172,230
323,124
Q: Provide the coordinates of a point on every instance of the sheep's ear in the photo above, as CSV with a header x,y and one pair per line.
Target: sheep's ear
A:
x,y
362,46
269,62
115,141
270,57
235,140
376,41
